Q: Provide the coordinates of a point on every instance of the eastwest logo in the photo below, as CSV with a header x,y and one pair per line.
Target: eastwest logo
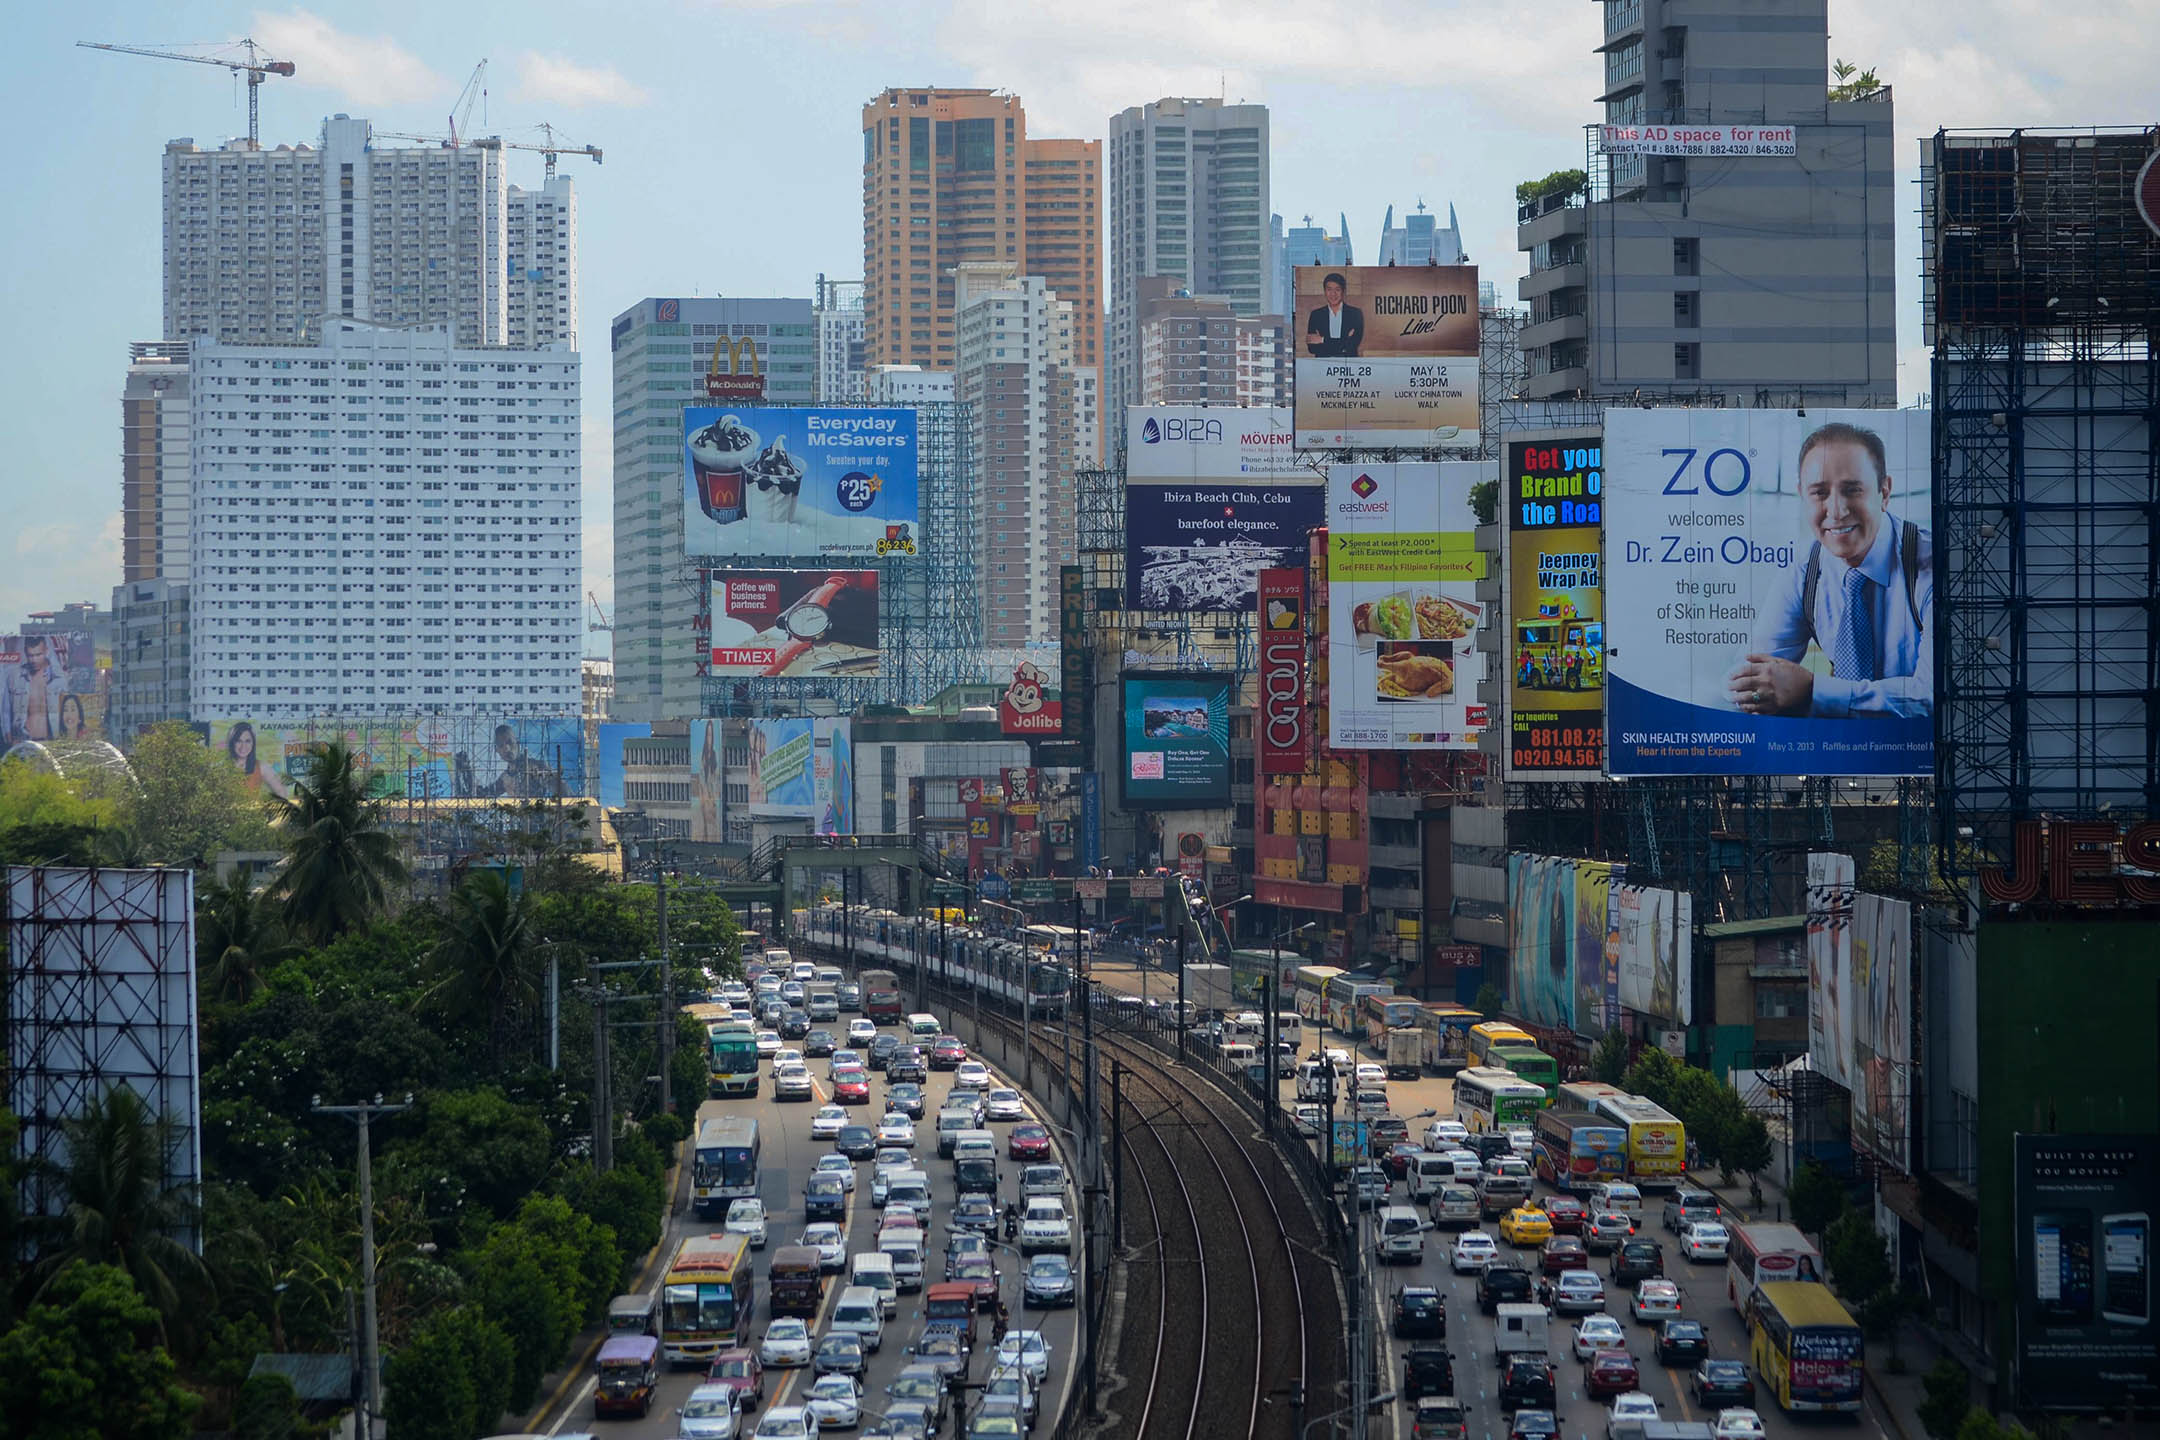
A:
x,y
1364,486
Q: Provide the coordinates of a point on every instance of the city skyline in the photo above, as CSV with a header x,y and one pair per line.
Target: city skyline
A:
x,y
401,68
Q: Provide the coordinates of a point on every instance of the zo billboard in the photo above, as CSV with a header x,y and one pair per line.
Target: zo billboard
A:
x,y
1387,356
795,480
794,623
1780,576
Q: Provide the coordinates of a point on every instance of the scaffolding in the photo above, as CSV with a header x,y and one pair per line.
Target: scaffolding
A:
x,y
2042,299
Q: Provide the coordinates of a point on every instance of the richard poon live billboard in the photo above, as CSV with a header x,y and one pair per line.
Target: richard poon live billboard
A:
x,y
1387,356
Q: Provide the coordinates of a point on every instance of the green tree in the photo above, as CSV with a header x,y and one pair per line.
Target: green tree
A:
x,y
120,1209
451,1380
691,1071
189,802
1748,1148
238,939
340,864
1608,1062
268,1409
1852,81
1485,501
1859,1261
478,1146
489,960
540,1277
86,1363
1654,1076
1949,1396
1567,183
1818,1198
46,819
1978,1424
627,1200
1489,1001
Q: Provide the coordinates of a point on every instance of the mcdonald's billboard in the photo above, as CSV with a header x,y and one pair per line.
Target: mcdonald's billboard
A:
x,y
798,481
734,372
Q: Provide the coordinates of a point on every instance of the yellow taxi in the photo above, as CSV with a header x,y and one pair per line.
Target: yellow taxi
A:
x,y
1526,1225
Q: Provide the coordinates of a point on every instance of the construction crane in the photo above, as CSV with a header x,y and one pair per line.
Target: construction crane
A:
x,y
552,149
255,67
461,112
603,623
491,142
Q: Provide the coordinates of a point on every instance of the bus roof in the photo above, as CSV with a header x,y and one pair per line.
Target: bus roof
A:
x,y
1504,1027
1772,1237
1317,975
715,1254
727,1130
1803,1302
1485,1077
1635,1110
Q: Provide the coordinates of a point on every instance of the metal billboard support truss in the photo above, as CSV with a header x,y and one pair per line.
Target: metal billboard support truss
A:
x,y
101,992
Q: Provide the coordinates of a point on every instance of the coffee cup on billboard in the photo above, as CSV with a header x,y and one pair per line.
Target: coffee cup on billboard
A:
x,y
722,453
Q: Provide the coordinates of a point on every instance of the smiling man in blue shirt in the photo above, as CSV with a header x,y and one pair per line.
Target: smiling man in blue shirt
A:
x,y
1865,595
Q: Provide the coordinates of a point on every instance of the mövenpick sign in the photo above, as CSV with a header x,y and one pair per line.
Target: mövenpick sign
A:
x,y
1283,723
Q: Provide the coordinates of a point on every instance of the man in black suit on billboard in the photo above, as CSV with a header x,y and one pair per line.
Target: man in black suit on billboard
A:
x,y
1335,329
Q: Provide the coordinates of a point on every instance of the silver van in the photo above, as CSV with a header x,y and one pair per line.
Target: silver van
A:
x,y
952,1123
1455,1205
1401,1235
872,1270
1426,1173
859,1311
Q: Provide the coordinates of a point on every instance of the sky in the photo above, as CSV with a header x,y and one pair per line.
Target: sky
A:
x,y
732,138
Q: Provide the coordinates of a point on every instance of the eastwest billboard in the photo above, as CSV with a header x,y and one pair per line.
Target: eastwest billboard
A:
x,y
1553,494
1387,356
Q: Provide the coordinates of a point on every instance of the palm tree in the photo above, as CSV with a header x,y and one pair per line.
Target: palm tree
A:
x,y
237,939
489,956
121,1210
339,861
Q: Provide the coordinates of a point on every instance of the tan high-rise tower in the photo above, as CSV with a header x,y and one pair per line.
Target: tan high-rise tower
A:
x,y
949,177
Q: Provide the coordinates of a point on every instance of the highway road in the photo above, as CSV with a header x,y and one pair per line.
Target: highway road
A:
x,y
788,1156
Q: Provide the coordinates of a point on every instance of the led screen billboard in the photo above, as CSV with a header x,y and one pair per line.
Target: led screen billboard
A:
x,y
1780,571
432,758
1387,356
2084,1295
1552,502
833,482
1177,740
708,782
1202,545
611,760
794,623
1403,612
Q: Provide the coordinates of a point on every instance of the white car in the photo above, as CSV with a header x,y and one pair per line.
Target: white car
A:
x,y
788,1422
792,1082
862,1032
1704,1240
826,1124
1371,1077
1521,1140
896,1129
1002,1104
838,1165
1309,1119
1738,1424
1444,1135
843,1059
1578,1292
830,1243
1044,1225
747,1217
789,1055
1598,1332
836,1401
1474,1250
1656,1300
787,1345
972,1075
1628,1413
1042,1180
712,1412
768,1044
1027,1349
734,992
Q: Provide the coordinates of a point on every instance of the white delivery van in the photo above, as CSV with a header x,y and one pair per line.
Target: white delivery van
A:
x,y
873,1271
860,1312
905,1248
923,1028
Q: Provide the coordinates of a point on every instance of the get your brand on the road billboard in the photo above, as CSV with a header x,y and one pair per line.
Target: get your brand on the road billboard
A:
x,y
1777,575
1552,502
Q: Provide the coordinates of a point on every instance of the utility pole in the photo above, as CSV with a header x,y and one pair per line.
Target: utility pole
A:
x,y
1117,1156
603,1101
1179,1019
370,1355
667,993
1271,1090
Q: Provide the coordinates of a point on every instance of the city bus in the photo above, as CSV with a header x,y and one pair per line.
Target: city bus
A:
x,y
1657,1141
724,1165
706,1299
1496,1032
1764,1255
1384,1012
1578,1151
1310,992
881,997
1533,1064
1491,1102
1446,1030
1585,1094
1806,1347
734,1060
1345,993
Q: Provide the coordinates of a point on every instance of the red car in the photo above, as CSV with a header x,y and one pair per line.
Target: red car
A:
x,y
1567,1214
1028,1142
1612,1372
981,1272
947,1053
1565,1252
741,1370
851,1087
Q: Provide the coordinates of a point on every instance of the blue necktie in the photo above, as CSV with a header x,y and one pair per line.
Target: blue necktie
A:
x,y
1852,656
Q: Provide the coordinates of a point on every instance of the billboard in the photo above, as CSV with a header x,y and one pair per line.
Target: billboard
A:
x,y
803,769
1284,725
1403,612
708,782
2084,1295
51,688
794,622
1829,964
1699,140
826,481
1559,940
1176,741
428,758
1027,707
1552,503
1882,976
1654,932
1200,546
611,762
1781,571
1206,442
1388,356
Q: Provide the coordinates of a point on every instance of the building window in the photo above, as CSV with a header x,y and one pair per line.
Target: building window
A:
x,y
1684,310
1780,1001
1687,362
1686,257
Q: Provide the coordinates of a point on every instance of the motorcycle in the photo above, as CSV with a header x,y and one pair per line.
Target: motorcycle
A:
x,y
1012,1222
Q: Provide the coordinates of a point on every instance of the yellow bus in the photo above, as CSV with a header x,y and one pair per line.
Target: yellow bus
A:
x,y
1805,1347
706,1299
1496,1032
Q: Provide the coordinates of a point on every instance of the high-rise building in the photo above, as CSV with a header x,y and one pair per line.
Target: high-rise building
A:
x,y
1035,417
951,176
542,247
154,462
1189,200
264,246
1310,244
149,682
1770,278
386,524
661,351
1421,239
1196,350
839,311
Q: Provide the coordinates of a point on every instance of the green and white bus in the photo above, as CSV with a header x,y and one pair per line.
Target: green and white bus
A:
x,y
1490,1101
734,1060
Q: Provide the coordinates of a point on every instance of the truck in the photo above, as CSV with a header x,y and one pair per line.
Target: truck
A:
x,y
1518,1330
1207,987
1405,1054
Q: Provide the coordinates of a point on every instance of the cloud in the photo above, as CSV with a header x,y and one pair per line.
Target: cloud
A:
x,y
369,70
550,79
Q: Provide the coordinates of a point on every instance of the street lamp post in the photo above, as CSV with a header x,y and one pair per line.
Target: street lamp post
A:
x,y
370,1352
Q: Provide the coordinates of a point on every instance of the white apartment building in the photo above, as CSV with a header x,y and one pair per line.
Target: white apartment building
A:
x,y
264,246
1035,418
542,239
384,525
907,385
840,339
154,462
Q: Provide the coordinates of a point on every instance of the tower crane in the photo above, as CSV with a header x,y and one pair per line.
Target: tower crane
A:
x,y
255,67
551,149
491,142
603,623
